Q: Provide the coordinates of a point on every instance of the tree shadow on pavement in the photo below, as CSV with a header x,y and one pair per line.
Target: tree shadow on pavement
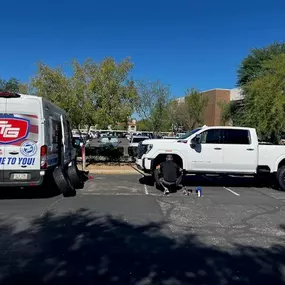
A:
x,y
84,248
47,190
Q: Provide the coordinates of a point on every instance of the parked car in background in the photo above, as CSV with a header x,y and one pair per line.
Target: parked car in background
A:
x,y
169,137
109,142
135,140
179,135
80,140
92,135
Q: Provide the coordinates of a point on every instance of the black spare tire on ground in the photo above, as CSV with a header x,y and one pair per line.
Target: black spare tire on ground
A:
x,y
281,177
63,183
74,176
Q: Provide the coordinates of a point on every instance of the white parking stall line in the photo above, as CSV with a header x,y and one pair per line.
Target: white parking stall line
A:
x,y
145,189
230,190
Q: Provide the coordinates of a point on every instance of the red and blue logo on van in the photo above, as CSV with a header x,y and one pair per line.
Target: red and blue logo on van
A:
x,y
13,129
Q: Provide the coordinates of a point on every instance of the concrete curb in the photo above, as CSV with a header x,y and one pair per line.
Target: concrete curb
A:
x,y
113,171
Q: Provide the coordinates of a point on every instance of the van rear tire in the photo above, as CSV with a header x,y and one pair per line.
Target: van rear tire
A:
x,y
280,175
63,183
74,176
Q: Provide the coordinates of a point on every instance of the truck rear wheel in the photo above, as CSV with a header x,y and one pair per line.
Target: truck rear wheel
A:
x,y
281,177
63,183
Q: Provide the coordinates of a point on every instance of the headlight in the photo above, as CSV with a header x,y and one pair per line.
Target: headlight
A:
x,y
149,147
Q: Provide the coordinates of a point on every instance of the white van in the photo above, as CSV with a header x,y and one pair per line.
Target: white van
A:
x,y
35,138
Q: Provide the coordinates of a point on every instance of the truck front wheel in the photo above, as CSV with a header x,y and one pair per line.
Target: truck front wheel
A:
x,y
281,177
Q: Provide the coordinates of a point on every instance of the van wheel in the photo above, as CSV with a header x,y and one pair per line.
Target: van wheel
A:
x,y
281,177
63,183
74,176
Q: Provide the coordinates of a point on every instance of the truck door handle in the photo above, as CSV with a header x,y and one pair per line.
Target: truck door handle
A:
x,y
13,152
217,148
250,149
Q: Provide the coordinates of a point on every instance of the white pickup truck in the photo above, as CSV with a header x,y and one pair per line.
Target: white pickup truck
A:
x,y
221,150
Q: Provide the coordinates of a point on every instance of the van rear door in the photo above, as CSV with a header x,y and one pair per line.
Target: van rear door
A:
x,y
23,133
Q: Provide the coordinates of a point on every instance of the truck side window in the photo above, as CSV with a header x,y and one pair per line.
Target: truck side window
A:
x,y
213,136
235,136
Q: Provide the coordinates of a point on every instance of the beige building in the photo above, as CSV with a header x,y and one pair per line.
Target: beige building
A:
x,y
132,126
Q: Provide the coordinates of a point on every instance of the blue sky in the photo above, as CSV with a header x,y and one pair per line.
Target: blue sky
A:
x,y
184,43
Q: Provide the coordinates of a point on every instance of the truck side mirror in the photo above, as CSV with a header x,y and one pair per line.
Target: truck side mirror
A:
x,y
75,142
196,140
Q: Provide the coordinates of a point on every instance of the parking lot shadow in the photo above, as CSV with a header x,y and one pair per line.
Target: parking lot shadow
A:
x,y
147,180
216,180
84,248
47,190
42,192
232,181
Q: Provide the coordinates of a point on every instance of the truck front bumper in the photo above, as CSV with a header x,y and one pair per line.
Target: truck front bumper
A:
x,y
144,164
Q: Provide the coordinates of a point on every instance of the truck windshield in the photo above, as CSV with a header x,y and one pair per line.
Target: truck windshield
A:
x,y
188,134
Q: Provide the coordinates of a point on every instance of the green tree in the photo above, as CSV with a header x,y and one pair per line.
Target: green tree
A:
x,y
190,111
252,66
264,105
94,94
11,85
143,125
152,104
232,113
114,93
54,85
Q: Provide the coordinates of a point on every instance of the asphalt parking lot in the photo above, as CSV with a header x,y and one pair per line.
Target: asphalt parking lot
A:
x,y
119,229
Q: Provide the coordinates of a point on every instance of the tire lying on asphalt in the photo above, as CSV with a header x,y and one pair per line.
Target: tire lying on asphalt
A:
x,y
74,176
281,177
62,182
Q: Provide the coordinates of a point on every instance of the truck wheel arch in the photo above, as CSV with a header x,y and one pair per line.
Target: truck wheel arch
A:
x,y
281,163
161,158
